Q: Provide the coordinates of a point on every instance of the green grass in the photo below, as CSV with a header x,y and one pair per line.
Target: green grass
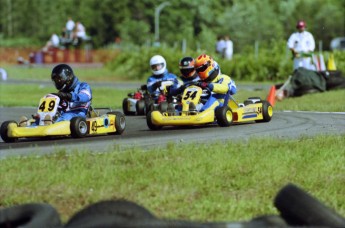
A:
x,y
230,182
29,95
100,74
107,97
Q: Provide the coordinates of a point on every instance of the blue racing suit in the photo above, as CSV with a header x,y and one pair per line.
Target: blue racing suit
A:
x,y
178,88
153,79
80,101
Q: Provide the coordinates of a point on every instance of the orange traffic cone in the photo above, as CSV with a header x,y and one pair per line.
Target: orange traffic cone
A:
x,y
272,95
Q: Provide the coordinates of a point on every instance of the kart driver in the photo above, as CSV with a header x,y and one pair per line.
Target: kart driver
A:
x,y
160,73
211,77
76,95
188,75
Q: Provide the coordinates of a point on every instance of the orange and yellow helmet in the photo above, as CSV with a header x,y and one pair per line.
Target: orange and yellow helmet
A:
x,y
204,66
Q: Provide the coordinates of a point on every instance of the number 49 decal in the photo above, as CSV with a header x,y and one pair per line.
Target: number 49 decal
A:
x,y
47,105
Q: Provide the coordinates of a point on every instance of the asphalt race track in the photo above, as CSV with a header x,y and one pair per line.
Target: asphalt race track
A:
x,y
283,125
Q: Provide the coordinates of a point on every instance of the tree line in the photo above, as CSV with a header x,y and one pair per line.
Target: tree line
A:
x,y
196,22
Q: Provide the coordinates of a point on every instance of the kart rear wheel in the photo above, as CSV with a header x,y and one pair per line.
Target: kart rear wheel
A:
x,y
224,116
3,132
125,107
120,123
149,122
78,127
163,106
267,112
298,208
140,107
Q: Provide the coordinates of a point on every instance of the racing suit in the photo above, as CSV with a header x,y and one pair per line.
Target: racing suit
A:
x,y
178,88
81,96
153,80
219,86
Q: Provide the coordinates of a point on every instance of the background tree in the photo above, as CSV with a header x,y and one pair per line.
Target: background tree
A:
x,y
198,22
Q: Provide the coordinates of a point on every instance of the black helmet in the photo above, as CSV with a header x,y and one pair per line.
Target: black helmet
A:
x,y
187,67
63,77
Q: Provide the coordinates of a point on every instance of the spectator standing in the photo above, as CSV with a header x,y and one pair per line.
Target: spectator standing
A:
x,y
69,28
220,46
301,44
229,48
80,34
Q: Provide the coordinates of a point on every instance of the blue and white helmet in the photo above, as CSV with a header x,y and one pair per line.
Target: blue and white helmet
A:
x,y
158,65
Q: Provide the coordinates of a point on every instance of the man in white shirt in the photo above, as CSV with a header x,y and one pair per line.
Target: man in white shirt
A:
x,y
220,46
69,28
229,48
302,44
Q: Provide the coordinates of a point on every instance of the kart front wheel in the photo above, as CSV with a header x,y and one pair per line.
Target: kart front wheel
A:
x,y
78,127
267,112
151,125
224,116
120,122
140,107
4,130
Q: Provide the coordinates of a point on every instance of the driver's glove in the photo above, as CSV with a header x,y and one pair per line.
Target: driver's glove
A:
x,y
64,96
202,85
156,85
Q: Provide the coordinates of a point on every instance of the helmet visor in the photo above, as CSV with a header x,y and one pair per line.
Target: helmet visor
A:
x,y
157,67
187,72
59,81
203,67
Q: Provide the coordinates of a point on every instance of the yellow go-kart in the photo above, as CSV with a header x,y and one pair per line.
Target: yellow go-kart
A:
x,y
253,109
43,123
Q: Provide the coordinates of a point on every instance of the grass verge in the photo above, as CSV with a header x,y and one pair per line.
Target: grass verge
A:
x,y
204,182
29,95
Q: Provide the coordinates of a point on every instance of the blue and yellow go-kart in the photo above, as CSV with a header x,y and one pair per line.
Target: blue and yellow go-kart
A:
x,y
253,109
43,125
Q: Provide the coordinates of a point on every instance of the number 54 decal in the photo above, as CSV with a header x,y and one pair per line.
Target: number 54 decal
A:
x,y
190,94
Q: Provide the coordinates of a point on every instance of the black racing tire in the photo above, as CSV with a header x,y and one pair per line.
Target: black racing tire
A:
x,y
120,122
267,112
149,122
140,107
78,127
125,108
3,132
30,215
106,213
224,116
151,107
298,208
163,106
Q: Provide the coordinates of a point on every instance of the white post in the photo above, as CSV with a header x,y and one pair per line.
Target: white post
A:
x,y
157,12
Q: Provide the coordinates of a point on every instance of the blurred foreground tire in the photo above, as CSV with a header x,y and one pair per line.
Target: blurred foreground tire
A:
x,y
298,208
30,216
120,213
